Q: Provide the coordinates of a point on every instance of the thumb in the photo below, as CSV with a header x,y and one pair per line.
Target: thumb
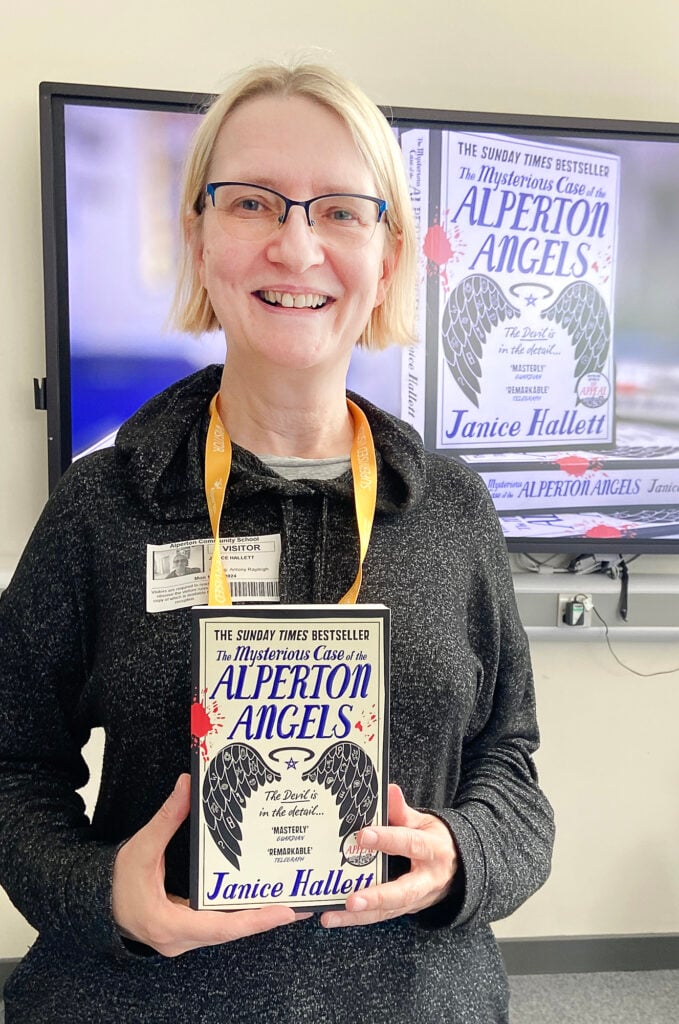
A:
x,y
156,834
400,812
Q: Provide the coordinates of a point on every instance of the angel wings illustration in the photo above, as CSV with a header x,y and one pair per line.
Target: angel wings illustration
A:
x,y
477,303
347,771
232,776
237,770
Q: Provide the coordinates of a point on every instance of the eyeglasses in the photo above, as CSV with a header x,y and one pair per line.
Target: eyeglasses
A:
x,y
251,212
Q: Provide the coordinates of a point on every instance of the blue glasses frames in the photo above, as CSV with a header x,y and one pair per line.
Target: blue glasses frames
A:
x,y
250,211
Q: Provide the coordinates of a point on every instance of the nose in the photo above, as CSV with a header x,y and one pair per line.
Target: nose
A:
x,y
294,244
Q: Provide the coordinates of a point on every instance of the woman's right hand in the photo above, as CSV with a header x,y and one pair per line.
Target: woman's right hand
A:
x,y
144,911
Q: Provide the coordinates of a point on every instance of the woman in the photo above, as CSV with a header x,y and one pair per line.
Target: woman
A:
x,y
294,283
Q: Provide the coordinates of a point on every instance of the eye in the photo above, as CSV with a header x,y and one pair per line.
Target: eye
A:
x,y
343,214
342,211
246,202
250,205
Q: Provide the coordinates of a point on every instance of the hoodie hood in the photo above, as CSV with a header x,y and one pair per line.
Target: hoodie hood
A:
x,y
160,452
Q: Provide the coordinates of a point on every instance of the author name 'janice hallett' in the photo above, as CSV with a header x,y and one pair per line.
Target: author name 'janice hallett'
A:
x,y
303,884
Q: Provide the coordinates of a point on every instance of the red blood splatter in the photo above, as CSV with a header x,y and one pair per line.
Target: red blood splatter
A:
x,y
602,531
359,727
436,245
372,737
372,718
574,465
200,721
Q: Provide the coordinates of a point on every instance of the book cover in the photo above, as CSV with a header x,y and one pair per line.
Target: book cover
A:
x,y
290,725
521,247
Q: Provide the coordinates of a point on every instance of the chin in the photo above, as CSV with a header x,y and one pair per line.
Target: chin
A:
x,y
296,356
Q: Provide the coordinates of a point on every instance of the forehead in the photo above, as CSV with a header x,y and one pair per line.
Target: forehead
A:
x,y
287,141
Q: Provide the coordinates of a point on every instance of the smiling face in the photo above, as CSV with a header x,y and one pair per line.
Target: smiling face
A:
x,y
291,300
180,565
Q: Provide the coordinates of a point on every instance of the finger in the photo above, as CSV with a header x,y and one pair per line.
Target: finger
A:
x,y
152,839
217,926
378,903
398,896
400,813
182,902
347,919
186,929
405,895
399,841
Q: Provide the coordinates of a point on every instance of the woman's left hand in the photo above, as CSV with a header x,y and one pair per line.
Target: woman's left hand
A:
x,y
426,842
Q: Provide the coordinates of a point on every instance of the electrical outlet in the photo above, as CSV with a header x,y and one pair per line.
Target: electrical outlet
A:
x,y
574,611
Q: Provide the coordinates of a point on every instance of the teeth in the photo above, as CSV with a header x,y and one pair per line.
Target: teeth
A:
x,y
311,300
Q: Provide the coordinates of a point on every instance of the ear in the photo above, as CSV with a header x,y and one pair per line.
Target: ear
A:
x,y
389,264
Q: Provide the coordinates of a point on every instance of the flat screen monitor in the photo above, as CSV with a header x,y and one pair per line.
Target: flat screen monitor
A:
x,y
547,302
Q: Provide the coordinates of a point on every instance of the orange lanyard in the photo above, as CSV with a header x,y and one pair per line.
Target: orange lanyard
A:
x,y
218,468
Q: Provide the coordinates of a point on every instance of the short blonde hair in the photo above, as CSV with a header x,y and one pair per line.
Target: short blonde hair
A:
x,y
392,321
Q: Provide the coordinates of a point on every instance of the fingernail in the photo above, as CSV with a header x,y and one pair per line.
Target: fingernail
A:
x,y
331,921
368,837
359,903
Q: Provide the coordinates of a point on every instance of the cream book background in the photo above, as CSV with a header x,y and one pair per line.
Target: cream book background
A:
x,y
290,753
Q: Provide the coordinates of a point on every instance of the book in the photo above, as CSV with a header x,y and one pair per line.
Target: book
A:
x,y
581,483
290,729
621,523
415,151
520,243
641,472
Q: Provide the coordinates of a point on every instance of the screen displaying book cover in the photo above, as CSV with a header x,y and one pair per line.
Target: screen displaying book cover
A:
x,y
548,359
290,728
546,367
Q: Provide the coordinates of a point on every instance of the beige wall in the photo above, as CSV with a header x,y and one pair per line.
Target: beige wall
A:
x,y
610,758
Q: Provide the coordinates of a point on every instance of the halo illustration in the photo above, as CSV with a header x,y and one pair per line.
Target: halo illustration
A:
x,y
273,754
516,288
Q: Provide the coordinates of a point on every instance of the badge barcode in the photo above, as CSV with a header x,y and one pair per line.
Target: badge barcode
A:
x,y
254,588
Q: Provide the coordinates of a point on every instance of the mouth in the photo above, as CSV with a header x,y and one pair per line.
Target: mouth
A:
x,y
286,300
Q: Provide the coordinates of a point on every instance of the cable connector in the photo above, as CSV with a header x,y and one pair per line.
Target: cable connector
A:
x,y
584,564
611,565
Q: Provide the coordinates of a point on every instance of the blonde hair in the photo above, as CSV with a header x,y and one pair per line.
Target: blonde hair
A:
x,y
392,321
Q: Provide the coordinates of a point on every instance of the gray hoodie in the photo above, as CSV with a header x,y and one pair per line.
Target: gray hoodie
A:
x,y
79,650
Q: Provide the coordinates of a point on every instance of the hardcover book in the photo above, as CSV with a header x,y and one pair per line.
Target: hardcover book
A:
x,y
290,725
